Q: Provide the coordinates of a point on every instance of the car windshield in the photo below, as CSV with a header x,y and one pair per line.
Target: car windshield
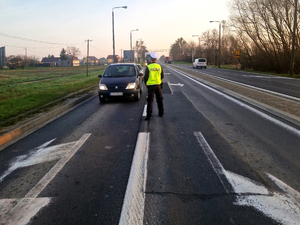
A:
x,y
201,60
120,71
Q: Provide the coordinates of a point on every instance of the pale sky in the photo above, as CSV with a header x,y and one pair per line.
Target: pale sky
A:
x,y
71,22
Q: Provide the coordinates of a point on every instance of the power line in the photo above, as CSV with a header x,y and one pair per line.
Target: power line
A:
x,y
97,48
32,40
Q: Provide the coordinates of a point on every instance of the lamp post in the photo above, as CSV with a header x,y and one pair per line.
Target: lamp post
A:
x,y
219,40
196,35
87,58
131,43
113,29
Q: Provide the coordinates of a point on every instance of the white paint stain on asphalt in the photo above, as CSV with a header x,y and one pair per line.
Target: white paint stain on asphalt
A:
x,y
20,211
284,207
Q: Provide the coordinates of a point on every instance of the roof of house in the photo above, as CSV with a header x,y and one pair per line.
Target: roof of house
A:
x,y
70,57
111,56
50,60
92,58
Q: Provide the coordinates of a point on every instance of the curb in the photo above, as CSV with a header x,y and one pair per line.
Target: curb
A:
x,y
18,133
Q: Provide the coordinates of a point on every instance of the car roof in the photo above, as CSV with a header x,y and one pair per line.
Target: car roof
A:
x,y
122,64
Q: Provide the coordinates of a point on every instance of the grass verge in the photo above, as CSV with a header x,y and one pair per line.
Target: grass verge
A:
x,y
22,97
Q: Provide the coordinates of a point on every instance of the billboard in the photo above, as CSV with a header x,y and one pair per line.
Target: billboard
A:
x,y
2,57
127,55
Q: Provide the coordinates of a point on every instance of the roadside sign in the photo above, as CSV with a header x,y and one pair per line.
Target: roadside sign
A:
x,y
237,54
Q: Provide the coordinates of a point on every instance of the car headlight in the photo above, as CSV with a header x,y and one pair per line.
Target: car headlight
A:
x,y
102,87
131,86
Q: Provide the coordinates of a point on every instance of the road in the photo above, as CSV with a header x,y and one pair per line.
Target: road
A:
x,y
283,85
210,160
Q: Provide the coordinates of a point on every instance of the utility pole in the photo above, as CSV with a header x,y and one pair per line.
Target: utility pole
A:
x,y
219,40
293,41
87,58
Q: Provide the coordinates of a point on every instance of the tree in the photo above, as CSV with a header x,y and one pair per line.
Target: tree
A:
x,y
141,49
266,28
178,49
73,52
14,62
63,55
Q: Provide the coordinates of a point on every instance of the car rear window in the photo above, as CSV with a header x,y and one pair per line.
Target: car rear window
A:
x,y
116,71
201,60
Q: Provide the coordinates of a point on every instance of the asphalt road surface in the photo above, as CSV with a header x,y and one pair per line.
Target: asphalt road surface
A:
x,y
283,85
210,160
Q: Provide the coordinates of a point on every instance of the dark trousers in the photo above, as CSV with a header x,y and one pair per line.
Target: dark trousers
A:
x,y
155,90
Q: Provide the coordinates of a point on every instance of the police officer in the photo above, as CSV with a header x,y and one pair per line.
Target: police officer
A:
x,y
153,76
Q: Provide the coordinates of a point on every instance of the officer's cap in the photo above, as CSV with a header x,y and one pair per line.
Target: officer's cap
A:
x,y
153,55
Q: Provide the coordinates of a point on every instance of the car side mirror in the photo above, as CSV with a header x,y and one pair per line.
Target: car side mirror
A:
x,y
100,76
140,74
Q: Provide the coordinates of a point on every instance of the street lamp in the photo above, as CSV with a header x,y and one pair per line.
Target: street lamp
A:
x,y
196,35
219,40
113,29
131,42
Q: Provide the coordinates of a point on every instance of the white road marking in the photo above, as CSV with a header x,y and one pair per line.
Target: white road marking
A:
x,y
33,193
212,158
267,77
145,110
20,211
253,87
181,85
134,200
283,208
273,120
39,155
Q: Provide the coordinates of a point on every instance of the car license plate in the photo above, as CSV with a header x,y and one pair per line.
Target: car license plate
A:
x,y
116,93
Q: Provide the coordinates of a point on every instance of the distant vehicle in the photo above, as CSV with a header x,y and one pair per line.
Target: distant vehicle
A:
x,y
168,60
140,67
123,80
148,58
201,62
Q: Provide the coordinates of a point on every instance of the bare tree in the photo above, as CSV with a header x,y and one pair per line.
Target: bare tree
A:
x,y
266,32
73,52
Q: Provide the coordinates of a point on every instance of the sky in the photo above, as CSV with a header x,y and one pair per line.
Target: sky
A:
x,y
45,27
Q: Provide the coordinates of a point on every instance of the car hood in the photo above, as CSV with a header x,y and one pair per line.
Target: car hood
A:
x,y
117,80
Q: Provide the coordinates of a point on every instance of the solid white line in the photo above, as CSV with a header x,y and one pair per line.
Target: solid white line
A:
x,y
134,200
39,187
253,87
273,120
287,189
212,158
145,110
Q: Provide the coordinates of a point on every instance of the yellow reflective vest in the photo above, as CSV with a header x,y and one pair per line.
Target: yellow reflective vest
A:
x,y
154,74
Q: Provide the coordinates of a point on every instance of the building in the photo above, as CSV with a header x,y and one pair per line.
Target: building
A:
x,y
47,62
110,58
92,60
69,62
56,61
